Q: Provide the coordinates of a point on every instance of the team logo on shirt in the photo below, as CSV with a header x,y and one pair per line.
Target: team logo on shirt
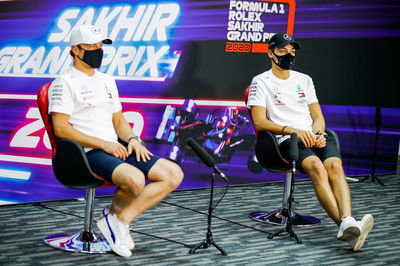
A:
x,y
301,94
86,94
252,91
56,94
277,96
108,93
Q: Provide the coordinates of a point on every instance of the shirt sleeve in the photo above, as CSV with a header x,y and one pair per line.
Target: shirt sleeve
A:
x,y
256,94
60,97
116,102
311,94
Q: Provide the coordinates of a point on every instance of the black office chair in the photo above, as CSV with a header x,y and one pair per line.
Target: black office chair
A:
x,y
270,158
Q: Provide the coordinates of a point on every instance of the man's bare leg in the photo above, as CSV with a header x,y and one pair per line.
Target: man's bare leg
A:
x,y
339,184
165,176
130,183
313,166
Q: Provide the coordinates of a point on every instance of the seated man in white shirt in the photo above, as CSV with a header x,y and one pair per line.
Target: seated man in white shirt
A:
x,y
85,107
284,101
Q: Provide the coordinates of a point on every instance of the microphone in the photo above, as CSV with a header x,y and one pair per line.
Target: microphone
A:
x,y
293,148
205,157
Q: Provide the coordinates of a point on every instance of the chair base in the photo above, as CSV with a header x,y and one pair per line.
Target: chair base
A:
x,y
276,218
74,243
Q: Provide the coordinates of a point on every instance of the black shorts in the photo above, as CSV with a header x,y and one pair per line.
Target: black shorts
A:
x,y
330,150
104,164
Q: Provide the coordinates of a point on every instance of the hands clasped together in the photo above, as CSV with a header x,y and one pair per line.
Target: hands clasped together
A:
x,y
310,139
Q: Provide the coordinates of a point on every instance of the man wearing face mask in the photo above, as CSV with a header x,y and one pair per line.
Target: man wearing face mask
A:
x,y
284,101
85,107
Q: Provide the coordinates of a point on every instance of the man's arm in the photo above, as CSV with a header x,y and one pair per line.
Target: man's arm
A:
x,y
318,117
318,124
125,133
262,123
63,129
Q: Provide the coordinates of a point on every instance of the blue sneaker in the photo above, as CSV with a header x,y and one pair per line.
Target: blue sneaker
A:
x,y
114,232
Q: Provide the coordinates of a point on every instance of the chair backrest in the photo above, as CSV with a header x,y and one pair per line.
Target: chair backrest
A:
x,y
43,105
246,94
332,134
70,165
266,148
268,154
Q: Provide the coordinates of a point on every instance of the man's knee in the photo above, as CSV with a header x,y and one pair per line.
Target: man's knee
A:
x,y
168,172
334,165
315,168
175,176
133,182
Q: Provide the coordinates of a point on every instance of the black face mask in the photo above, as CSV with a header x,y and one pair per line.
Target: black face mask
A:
x,y
285,62
92,57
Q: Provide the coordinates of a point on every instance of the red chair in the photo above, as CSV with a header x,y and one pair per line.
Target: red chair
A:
x,y
269,157
71,168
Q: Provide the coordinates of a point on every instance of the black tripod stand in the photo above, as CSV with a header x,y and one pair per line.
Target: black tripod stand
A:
x,y
378,123
209,237
286,210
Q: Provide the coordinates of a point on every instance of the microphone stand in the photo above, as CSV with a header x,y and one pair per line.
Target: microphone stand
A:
x,y
287,208
209,237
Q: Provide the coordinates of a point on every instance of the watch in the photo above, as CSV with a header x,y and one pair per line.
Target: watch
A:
x,y
135,137
321,133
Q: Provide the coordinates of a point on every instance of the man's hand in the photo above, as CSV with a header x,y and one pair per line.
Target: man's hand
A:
x,y
307,137
320,141
116,149
142,154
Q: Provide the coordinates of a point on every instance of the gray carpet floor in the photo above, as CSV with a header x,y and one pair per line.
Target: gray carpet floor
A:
x,y
163,233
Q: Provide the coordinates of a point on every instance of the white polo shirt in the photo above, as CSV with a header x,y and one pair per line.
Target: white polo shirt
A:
x,y
286,101
90,101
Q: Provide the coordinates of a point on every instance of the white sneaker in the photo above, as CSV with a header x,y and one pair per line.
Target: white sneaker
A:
x,y
127,239
367,222
106,210
349,229
114,231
